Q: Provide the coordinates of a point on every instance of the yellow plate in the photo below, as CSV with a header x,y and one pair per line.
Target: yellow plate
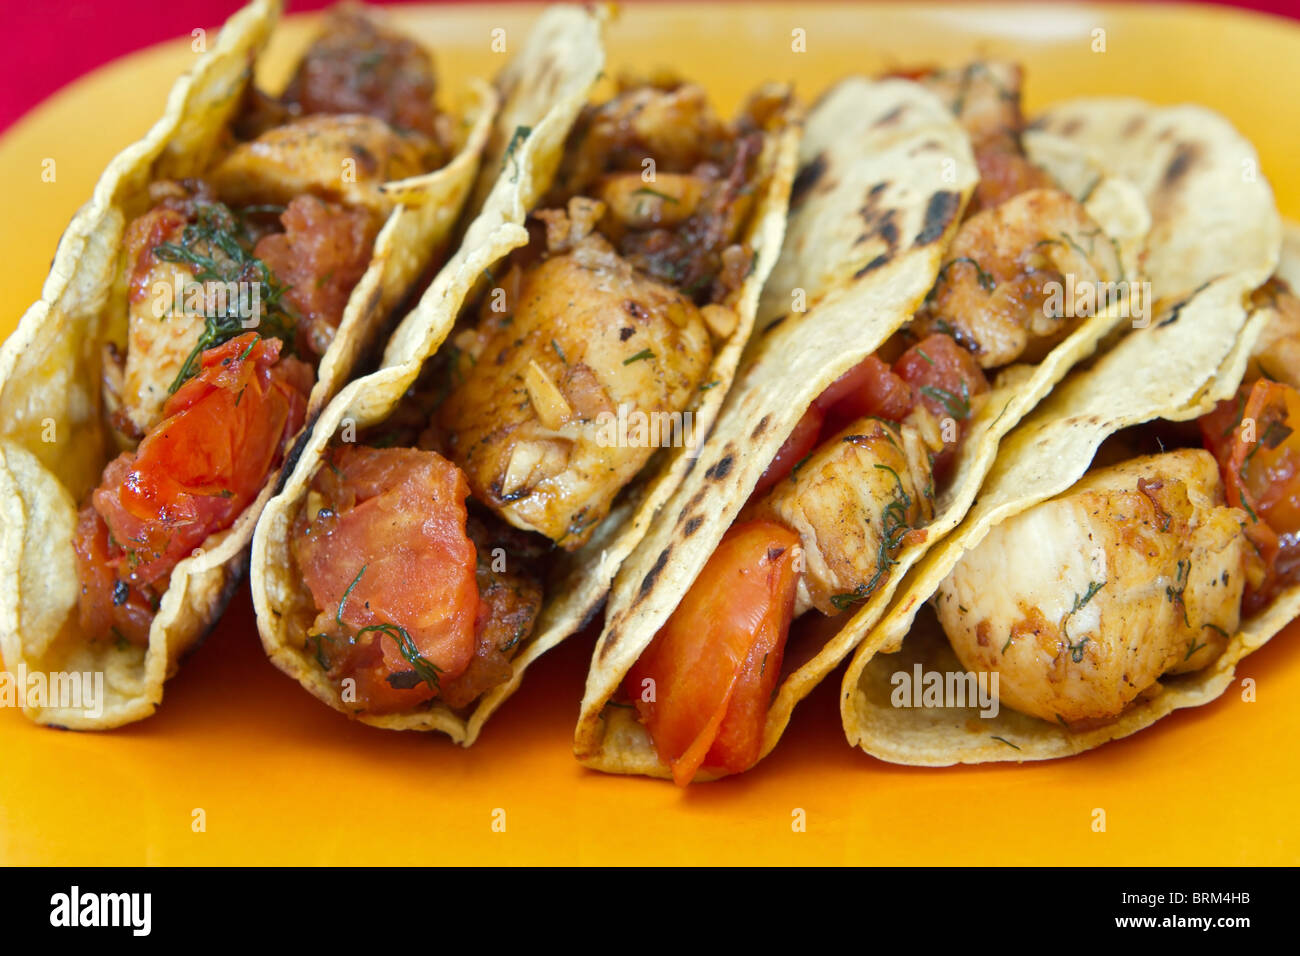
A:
x,y
281,779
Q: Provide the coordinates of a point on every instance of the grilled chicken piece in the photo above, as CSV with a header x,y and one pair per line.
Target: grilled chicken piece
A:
x,y
1002,288
533,417
675,126
160,332
1081,603
679,184
345,158
852,503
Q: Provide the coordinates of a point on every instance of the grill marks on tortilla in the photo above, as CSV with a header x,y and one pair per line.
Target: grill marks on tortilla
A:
x,y
881,224
1176,310
1186,155
807,178
721,468
891,118
651,576
940,212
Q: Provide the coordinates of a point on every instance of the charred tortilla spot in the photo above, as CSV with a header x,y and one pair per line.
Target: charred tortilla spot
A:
x,y
939,213
889,118
889,230
1184,157
1133,126
636,310
626,333
720,469
873,265
877,189
1073,126
807,178
648,582
1177,309
760,427
692,526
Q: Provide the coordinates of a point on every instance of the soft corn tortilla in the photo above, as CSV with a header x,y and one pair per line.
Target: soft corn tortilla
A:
x,y
1212,212
887,152
53,446
612,739
1175,371
563,60
1216,236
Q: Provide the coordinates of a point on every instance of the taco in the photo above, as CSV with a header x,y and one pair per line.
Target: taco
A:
x,y
1165,476
207,302
464,509
927,243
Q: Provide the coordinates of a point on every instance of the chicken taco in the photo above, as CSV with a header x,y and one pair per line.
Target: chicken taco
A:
x,y
206,303
862,429
1137,538
464,509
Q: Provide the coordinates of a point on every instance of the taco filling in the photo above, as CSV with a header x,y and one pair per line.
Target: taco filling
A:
x,y
858,478
1148,565
234,285
611,313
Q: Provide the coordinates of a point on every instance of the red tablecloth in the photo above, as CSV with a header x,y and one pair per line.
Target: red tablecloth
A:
x,y
51,44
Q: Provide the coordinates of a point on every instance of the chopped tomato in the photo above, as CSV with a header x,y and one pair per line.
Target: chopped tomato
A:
x,y
192,475
868,390
382,545
802,440
320,257
716,662
946,377
106,605
1254,438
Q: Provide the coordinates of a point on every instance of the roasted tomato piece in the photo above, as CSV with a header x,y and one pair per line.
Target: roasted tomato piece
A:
x,y
797,447
946,378
221,435
320,257
107,606
716,662
868,390
382,545
1253,437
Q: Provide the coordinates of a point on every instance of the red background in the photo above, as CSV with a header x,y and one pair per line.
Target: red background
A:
x,y
50,45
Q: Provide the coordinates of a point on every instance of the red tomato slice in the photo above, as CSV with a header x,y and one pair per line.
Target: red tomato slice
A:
x,y
222,433
193,474
389,551
946,378
802,440
1261,474
869,389
717,660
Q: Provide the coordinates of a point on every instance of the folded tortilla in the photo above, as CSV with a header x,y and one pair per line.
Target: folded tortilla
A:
x,y
53,444
889,153
543,92
1216,237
